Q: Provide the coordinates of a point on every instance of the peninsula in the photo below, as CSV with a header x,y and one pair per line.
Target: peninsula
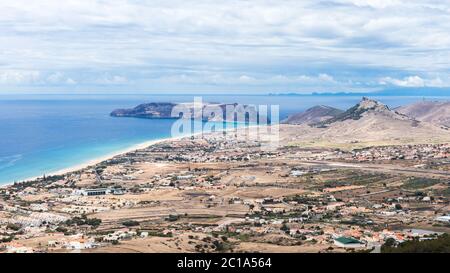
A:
x,y
201,111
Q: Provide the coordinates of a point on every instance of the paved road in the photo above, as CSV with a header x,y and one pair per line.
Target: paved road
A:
x,y
385,168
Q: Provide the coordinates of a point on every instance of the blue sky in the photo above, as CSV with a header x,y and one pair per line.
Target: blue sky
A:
x,y
82,46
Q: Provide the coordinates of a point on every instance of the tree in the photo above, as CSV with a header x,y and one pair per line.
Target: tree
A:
x,y
130,223
285,228
15,227
439,245
390,242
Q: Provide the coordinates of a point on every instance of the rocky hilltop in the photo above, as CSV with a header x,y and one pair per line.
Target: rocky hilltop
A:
x,y
203,111
366,107
372,123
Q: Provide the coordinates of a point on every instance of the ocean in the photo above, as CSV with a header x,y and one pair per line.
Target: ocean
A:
x,y
42,134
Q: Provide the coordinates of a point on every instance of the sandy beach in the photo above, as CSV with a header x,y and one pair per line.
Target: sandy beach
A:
x,y
98,160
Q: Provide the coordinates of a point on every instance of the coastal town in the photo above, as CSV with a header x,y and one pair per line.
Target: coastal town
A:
x,y
216,193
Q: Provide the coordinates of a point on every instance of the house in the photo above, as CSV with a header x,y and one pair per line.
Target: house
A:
x,y
117,191
185,177
19,249
100,191
422,234
348,242
443,219
296,173
93,192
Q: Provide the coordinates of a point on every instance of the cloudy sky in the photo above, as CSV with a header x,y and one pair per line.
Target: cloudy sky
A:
x,y
223,46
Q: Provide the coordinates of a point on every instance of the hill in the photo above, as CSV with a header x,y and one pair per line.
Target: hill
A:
x,y
313,115
204,111
147,110
429,111
366,106
368,123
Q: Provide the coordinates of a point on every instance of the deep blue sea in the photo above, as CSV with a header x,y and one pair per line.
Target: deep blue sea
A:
x,y
40,134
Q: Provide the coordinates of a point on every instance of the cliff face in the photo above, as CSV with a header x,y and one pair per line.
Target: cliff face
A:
x,y
204,111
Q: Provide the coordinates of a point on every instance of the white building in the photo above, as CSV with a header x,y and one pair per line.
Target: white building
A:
x,y
443,219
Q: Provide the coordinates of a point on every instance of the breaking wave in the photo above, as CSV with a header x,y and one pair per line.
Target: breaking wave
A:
x,y
9,161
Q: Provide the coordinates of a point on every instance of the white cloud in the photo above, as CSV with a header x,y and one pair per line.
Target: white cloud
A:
x,y
19,77
56,77
246,79
60,78
205,78
326,78
70,81
115,79
411,81
374,3
320,79
178,41
414,81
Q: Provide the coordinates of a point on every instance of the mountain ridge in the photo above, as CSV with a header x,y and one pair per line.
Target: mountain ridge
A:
x,y
367,123
428,111
365,106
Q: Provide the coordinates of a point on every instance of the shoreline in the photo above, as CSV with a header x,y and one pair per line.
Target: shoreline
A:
x,y
97,160
100,159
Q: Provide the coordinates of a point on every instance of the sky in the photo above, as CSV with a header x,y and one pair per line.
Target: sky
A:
x,y
120,46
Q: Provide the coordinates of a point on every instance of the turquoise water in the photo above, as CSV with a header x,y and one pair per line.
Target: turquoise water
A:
x,y
40,134
43,136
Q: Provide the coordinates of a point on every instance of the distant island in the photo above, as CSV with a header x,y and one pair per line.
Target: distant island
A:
x,y
203,111
418,91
